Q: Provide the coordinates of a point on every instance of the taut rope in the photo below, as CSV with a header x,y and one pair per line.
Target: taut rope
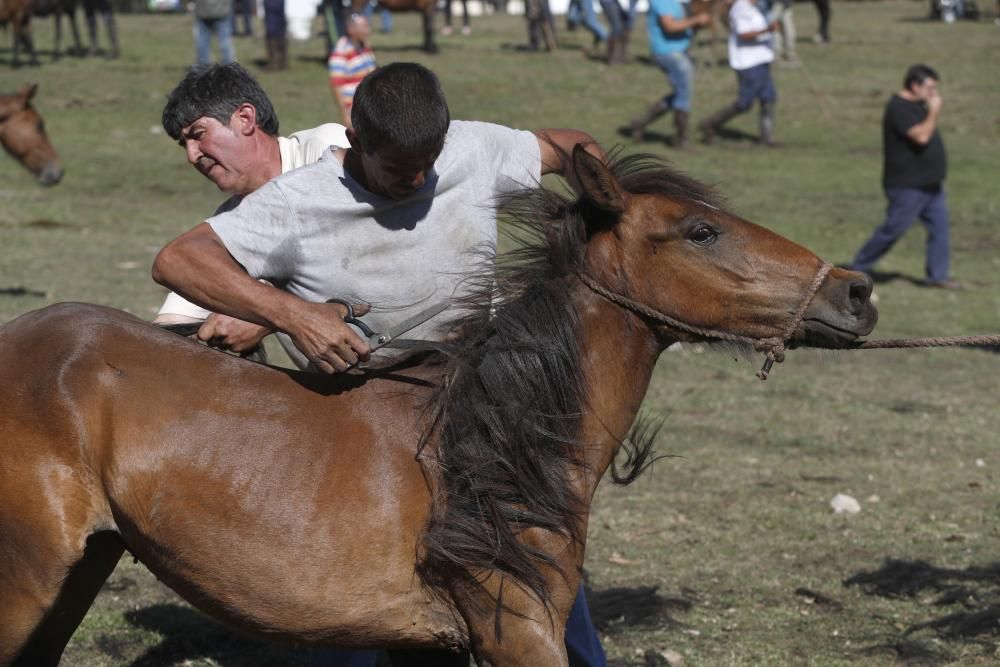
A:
x,y
774,347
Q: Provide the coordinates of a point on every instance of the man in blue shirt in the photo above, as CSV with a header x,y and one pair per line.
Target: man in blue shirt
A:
x,y
670,31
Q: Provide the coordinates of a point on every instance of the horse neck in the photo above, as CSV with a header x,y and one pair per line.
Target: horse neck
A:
x,y
618,352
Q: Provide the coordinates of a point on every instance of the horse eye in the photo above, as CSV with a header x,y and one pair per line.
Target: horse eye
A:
x,y
703,234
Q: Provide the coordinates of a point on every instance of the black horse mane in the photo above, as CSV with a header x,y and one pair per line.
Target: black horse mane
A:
x,y
507,413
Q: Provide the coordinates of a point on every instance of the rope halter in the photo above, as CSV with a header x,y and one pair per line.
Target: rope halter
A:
x,y
773,347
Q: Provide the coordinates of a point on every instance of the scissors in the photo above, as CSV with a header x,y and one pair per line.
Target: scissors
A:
x,y
386,338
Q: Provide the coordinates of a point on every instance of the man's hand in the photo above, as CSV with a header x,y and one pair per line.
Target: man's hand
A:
x,y
321,334
701,20
934,101
229,333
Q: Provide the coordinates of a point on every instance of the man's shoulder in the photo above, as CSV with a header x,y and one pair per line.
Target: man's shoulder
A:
x,y
327,134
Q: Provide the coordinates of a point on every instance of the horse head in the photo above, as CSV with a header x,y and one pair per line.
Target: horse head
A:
x,y
22,133
662,245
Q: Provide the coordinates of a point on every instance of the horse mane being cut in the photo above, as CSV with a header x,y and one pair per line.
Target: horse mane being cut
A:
x,y
508,411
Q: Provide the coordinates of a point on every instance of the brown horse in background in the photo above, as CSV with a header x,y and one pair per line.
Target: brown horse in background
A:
x,y
17,13
22,134
440,502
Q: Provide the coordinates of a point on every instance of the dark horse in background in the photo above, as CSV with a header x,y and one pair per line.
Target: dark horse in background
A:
x,y
58,9
22,134
438,502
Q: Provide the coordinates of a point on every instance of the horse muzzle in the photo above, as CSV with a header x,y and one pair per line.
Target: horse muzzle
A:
x,y
840,313
51,174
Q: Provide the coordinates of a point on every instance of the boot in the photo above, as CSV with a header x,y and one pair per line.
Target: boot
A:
x,y
639,123
271,61
282,53
109,23
710,126
612,46
767,124
681,125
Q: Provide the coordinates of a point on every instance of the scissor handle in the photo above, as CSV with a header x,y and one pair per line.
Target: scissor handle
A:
x,y
351,319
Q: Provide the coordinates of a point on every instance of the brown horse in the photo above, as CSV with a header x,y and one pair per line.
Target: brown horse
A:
x,y
427,9
22,133
438,502
17,13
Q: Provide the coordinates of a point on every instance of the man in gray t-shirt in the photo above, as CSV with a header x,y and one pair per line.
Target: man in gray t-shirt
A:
x,y
392,221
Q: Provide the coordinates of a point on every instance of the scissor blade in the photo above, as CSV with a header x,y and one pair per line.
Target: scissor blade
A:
x,y
380,340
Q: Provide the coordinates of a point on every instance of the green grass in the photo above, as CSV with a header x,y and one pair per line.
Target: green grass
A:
x,y
736,518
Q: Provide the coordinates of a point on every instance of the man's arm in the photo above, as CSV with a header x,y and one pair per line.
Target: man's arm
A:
x,y
556,148
197,266
673,25
922,132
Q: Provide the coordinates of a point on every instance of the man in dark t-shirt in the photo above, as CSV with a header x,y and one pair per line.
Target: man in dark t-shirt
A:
x,y
913,176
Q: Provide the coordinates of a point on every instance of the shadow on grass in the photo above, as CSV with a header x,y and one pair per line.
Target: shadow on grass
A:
x,y
614,609
189,635
974,589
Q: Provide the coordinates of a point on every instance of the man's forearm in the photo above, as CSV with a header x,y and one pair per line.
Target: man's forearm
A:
x,y
200,269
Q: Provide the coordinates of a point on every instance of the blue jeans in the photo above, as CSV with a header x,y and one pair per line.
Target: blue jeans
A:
x,y
582,644
680,73
755,83
582,12
222,28
385,14
905,206
619,18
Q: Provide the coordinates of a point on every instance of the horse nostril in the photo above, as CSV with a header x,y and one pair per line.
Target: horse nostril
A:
x,y
859,292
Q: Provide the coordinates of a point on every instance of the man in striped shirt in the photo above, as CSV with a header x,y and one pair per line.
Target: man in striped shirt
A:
x,y
350,61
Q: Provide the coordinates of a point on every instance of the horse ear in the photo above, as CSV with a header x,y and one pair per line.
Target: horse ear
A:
x,y
598,185
28,91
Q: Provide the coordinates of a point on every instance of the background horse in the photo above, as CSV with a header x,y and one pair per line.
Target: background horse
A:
x,y
311,508
17,13
22,133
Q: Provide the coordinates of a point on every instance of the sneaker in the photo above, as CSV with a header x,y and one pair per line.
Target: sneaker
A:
x,y
944,284
819,39
466,30
447,30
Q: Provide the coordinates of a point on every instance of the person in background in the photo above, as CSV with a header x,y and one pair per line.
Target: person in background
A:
x,y
229,131
784,39
244,9
446,29
91,8
750,55
670,32
913,173
275,35
351,60
823,35
213,17
582,12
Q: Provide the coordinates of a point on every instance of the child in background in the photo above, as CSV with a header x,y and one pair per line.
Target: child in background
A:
x,y
350,61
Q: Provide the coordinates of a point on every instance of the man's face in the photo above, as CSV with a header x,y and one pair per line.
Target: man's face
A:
x,y
397,175
925,90
222,153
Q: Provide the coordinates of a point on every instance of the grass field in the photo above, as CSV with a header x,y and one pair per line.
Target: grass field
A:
x,y
734,526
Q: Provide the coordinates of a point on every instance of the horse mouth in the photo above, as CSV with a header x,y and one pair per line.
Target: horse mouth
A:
x,y
822,334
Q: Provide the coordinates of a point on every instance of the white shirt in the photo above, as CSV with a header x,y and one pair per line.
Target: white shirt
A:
x,y
745,17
